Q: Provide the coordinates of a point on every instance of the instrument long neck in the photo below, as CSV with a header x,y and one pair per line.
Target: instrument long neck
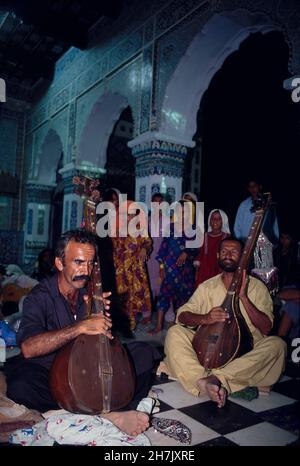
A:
x,y
95,285
247,253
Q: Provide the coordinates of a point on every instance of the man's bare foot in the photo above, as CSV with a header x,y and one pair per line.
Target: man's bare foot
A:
x,y
146,320
131,422
211,386
154,331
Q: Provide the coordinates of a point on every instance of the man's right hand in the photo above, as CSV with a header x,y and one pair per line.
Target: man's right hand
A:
x,y
217,314
96,324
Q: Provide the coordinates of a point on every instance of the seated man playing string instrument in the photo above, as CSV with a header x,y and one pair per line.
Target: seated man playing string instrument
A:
x,y
54,314
262,366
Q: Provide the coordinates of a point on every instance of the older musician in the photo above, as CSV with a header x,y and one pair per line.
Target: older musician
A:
x,y
262,366
54,313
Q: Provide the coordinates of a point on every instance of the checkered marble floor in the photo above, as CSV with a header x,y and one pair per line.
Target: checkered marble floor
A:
x,y
270,420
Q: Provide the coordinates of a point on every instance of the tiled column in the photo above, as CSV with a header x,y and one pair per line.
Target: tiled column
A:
x,y
36,234
159,166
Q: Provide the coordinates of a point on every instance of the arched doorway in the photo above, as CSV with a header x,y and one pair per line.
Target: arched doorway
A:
x,y
221,36
249,127
93,142
44,193
120,164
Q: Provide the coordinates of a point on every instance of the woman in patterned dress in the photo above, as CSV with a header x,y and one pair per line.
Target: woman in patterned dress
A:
x,y
176,268
130,255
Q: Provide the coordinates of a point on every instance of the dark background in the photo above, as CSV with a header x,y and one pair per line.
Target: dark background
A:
x,y
250,128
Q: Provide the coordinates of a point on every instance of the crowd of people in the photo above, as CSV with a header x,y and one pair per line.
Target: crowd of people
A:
x,y
144,277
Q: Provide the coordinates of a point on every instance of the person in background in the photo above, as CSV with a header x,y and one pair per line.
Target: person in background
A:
x,y
176,266
15,286
206,262
152,264
285,259
245,216
45,265
130,256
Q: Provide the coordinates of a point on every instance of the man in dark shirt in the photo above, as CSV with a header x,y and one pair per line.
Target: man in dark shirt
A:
x,y
54,314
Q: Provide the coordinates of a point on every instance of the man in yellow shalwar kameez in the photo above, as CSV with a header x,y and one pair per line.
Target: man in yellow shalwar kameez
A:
x,y
262,366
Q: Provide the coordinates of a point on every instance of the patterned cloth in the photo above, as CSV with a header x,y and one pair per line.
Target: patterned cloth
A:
x,y
152,264
131,275
172,428
79,429
179,282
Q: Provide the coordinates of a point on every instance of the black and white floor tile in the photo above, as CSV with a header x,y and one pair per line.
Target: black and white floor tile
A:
x,y
270,420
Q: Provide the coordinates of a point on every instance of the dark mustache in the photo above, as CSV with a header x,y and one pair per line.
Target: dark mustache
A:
x,y
81,277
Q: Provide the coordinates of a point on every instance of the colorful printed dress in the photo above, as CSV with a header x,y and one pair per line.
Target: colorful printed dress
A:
x,y
152,264
131,275
179,282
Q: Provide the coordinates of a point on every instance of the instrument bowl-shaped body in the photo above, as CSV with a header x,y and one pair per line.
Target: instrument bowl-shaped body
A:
x,y
78,373
218,344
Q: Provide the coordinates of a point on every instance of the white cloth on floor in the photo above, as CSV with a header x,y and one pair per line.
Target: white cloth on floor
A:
x,y
79,429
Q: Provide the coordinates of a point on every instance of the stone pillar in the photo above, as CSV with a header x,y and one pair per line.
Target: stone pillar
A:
x,y
73,204
159,166
36,234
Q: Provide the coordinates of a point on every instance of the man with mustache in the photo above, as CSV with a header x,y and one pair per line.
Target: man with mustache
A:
x,y
262,366
54,314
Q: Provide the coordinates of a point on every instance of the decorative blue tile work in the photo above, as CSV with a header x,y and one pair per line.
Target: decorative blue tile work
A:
x,y
72,131
41,220
29,221
126,49
171,194
8,132
38,116
159,158
155,188
11,246
66,219
142,194
170,49
89,77
73,219
146,90
65,61
5,212
61,99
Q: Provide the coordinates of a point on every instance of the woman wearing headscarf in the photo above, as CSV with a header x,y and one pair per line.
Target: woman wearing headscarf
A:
x,y
175,259
130,255
206,262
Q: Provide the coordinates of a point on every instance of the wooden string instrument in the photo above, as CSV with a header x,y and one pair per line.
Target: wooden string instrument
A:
x,y
92,374
218,344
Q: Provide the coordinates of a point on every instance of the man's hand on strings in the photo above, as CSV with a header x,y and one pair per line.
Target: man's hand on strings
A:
x,y
104,297
96,324
216,314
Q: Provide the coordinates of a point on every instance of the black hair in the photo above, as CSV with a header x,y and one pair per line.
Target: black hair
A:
x,y
79,236
231,238
2,270
253,180
157,195
45,251
108,194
